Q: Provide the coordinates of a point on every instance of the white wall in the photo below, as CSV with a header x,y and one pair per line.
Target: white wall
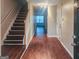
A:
x,y
66,22
29,26
8,12
52,2
52,21
6,7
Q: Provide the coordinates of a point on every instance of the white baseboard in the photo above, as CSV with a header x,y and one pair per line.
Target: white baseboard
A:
x,y
7,31
66,49
62,44
53,36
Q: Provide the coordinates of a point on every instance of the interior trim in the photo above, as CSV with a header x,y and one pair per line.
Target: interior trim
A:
x,y
67,49
26,48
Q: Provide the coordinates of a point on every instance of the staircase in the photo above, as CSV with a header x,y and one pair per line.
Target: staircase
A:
x,y
17,31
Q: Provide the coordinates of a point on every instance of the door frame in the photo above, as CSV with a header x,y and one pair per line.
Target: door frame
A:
x,y
76,37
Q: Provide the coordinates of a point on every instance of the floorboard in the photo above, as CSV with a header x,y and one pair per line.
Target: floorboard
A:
x,y
14,52
45,48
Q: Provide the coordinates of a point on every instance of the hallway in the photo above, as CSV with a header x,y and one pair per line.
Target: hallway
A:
x,y
45,48
39,29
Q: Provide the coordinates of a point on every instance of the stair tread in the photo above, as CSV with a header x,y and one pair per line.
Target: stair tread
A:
x,y
13,39
18,25
19,20
15,35
13,42
20,17
17,30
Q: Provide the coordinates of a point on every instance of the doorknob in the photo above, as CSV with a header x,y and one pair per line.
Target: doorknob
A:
x,y
74,37
73,44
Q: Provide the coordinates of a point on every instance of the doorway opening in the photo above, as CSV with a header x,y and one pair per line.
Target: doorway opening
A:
x,y
40,21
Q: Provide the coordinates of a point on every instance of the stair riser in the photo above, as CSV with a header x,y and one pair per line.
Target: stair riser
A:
x,y
17,28
20,18
14,38
21,15
13,42
16,33
18,21
22,11
18,24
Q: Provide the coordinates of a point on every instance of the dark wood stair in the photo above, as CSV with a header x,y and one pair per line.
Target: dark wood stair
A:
x,y
13,42
16,34
18,24
17,28
19,21
14,37
13,46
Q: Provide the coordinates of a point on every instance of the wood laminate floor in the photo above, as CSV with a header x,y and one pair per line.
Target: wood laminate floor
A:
x,y
45,48
14,52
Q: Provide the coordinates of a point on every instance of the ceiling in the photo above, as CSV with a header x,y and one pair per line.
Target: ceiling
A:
x,y
52,2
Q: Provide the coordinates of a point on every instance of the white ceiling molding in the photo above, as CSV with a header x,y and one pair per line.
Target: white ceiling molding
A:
x,y
51,2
